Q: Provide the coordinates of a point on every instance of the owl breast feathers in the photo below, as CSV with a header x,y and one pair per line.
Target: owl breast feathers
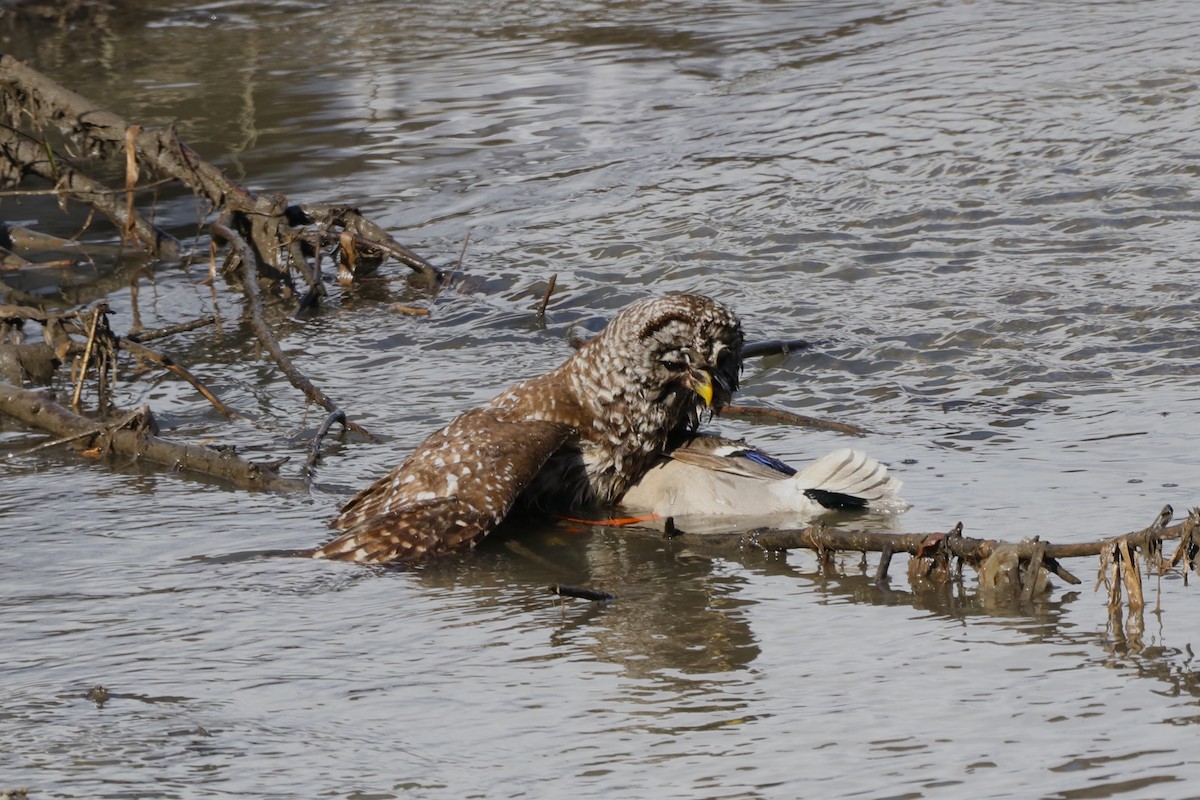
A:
x,y
579,435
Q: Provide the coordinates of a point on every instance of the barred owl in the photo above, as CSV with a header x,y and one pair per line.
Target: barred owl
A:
x,y
579,435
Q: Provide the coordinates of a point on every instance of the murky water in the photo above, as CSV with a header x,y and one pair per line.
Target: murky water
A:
x,y
983,213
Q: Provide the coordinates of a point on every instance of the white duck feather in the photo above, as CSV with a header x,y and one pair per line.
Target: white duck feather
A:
x,y
710,476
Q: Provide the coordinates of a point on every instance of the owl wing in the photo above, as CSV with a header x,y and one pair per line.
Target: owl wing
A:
x,y
454,490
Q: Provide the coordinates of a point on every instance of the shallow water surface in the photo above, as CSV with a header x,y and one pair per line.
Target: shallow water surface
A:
x,y
983,216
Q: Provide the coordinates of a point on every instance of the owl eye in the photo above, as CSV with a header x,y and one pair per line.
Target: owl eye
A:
x,y
674,365
676,361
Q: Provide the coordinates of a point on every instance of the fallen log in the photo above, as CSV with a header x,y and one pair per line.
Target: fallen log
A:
x,y
269,222
135,436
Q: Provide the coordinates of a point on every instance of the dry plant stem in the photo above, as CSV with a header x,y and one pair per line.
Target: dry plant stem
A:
x,y
16,148
1131,575
1189,545
1119,567
87,358
38,410
1036,560
241,251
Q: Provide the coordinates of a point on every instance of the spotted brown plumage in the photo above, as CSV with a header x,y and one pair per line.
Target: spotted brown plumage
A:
x,y
576,436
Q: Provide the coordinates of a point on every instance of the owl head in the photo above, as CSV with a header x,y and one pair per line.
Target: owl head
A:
x,y
681,351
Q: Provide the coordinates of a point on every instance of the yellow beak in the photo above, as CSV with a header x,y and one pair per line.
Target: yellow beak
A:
x,y
702,385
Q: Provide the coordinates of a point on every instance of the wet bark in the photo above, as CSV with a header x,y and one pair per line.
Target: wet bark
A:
x,y
135,436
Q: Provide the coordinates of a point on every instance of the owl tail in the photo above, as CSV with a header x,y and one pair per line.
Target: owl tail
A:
x,y
850,479
410,533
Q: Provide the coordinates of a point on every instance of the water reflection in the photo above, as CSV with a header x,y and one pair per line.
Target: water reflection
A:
x,y
675,613
681,614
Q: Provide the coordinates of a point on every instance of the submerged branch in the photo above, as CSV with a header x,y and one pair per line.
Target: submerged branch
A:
x,y
143,336
16,148
137,349
774,347
314,449
766,414
819,537
581,593
932,552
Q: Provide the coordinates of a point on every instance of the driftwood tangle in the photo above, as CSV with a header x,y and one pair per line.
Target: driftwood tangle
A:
x,y
273,249
272,239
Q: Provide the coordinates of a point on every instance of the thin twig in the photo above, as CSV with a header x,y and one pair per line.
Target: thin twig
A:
x,y
766,414
541,309
463,252
143,336
61,192
242,251
137,349
55,442
314,450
